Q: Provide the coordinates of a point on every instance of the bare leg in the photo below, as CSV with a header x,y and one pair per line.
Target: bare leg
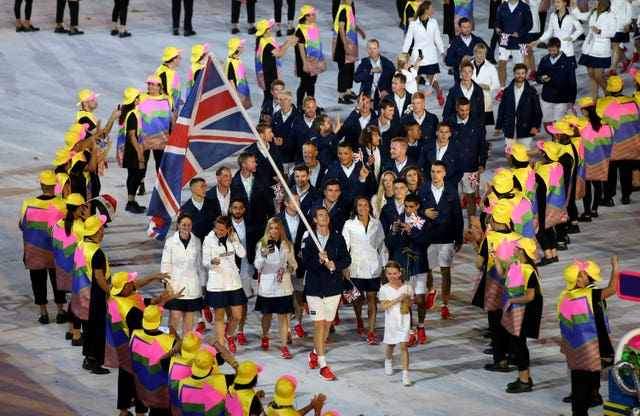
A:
x,y
298,305
283,328
598,74
320,333
243,318
187,322
404,355
236,315
446,284
471,204
174,320
219,324
502,73
422,308
389,351
266,324
357,308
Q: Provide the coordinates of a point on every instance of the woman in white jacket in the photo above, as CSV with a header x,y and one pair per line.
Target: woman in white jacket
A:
x,y
563,26
182,261
485,75
364,237
596,49
622,10
224,287
424,33
275,261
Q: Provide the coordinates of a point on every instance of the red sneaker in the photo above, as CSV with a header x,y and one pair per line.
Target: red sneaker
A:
x,y
444,312
478,201
431,299
422,336
265,344
532,76
231,344
327,341
206,314
499,95
609,74
635,58
241,339
336,319
300,331
463,202
360,328
289,337
313,360
440,99
286,354
201,328
372,340
412,339
226,329
625,66
326,374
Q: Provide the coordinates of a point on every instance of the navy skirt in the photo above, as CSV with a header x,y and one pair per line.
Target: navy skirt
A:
x,y
620,37
429,69
366,285
217,300
592,62
279,305
188,305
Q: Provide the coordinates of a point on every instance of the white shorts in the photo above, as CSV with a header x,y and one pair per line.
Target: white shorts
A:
x,y
298,284
467,186
552,112
440,255
525,141
504,54
323,309
419,283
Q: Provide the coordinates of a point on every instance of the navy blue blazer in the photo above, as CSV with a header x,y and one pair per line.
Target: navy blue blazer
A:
x,y
471,141
299,134
339,213
327,148
528,111
265,171
519,21
417,240
400,112
282,129
351,129
320,281
427,127
390,165
259,206
202,219
457,50
351,186
364,76
395,130
450,159
477,102
448,225
313,195
296,240
561,87
388,215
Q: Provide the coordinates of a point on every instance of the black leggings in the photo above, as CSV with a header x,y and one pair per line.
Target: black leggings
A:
x,y
95,328
188,13
27,9
133,180
74,10
120,8
127,391
587,198
547,238
307,87
626,168
583,385
157,158
499,336
251,11
277,9
39,286
518,347
345,76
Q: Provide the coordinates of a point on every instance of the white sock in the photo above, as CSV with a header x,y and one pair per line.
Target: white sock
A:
x,y
405,373
322,360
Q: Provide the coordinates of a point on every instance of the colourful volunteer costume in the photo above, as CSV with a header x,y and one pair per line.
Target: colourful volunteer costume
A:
x,y
203,392
312,45
525,222
239,400
552,174
198,52
351,51
236,73
170,78
64,245
261,57
180,368
154,112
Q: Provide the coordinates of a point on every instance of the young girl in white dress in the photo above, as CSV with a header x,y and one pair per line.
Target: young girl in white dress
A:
x,y
395,299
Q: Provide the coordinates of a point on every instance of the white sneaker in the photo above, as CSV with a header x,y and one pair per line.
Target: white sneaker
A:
x,y
406,381
388,367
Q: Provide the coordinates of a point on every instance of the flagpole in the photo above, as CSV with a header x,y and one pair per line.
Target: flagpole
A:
x,y
284,183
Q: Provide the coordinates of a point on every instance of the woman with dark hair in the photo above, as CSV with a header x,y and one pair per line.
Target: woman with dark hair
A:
x,y
345,48
371,149
267,57
522,307
364,237
309,59
563,26
169,76
414,178
130,155
182,261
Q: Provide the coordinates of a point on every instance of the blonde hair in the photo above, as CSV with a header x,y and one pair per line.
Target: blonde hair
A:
x,y
264,241
379,197
402,59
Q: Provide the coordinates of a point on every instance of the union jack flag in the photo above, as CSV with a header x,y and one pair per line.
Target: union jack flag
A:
x,y
278,192
523,49
212,126
504,39
358,157
415,221
473,180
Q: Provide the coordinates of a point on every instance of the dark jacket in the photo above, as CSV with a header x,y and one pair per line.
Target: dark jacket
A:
x,y
320,281
476,101
339,213
561,88
458,49
327,148
395,130
299,134
519,21
529,112
388,215
448,225
259,206
351,129
282,129
470,140
364,76
450,159
427,127
400,112
351,186
296,240
417,240
265,171
202,219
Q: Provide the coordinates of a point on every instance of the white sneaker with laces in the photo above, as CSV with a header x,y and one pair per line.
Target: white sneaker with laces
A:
x,y
406,381
388,367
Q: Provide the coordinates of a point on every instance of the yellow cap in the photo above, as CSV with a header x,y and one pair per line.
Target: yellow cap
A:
x,y
202,363
197,51
171,52
529,247
550,148
503,181
130,95
93,224
48,177
263,25
571,275
154,79
519,152
152,317
62,156
593,270
560,127
190,345
614,84
285,391
86,95
585,102
305,10
75,200
119,279
62,179
247,370
501,212
234,44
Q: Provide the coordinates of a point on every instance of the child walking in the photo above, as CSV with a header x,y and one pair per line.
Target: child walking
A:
x,y
395,300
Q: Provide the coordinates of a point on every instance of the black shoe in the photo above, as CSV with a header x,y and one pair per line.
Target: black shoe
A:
x,y
279,33
114,32
98,369
487,335
595,401
625,200
555,259
60,30
421,81
176,31
125,34
252,31
344,100
607,202
544,262
542,45
562,246
594,214
488,351
351,95
584,217
61,318
520,387
498,367
566,239
235,30
567,399
290,32
77,342
68,336
573,229
20,29
188,33
511,385
43,319
141,189
31,29
75,32
635,188
132,206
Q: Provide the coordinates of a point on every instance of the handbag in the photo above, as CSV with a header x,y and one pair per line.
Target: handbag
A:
x,y
350,294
